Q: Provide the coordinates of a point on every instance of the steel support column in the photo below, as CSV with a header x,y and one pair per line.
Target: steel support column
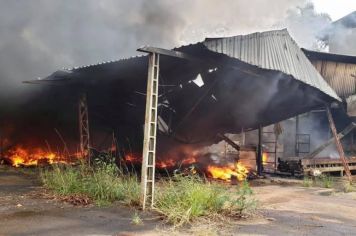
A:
x,y
84,126
338,144
150,131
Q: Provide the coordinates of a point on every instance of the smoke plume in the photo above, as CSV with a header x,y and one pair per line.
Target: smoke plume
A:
x,y
41,36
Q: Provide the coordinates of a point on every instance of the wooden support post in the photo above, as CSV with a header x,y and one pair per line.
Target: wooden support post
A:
x,y
338,144
84,126
259,152
150,131
296,136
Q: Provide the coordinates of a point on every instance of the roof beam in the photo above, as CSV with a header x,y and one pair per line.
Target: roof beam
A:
x,y
166,52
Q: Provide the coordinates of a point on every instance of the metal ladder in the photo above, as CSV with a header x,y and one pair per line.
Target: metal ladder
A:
x,y
149,142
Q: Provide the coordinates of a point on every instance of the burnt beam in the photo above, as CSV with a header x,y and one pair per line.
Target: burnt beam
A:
x,y
84,126
229,141
340,135
166,52
338,143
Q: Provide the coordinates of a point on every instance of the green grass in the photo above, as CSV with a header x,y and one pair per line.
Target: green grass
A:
x,y
323,181
104,184
326,181
136,219
184,199
348,187
307,182
181,199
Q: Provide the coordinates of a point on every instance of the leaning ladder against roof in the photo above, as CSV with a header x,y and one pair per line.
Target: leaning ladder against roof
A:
x,y
149,142
84,126
338,144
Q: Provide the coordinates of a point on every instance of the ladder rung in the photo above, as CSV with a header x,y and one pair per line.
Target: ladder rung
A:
x,y
150,166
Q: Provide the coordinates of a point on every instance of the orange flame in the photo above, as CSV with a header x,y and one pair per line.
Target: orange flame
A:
x,y
226,172
264,158
216,172
20,156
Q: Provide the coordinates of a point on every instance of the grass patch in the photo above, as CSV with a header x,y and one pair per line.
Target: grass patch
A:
x,y
184,199
180,199
347,187
104,184
307,182
323,181
326,181
136,219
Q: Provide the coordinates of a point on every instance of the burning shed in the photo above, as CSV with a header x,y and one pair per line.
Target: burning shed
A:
x,y
194,94
221,85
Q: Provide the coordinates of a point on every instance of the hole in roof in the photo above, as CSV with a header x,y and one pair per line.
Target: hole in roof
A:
x,y
199,80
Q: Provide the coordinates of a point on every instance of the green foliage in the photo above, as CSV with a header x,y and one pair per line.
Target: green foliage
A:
x,y
244,203
348,187
183,199
326,181
103,183
307,182
136,219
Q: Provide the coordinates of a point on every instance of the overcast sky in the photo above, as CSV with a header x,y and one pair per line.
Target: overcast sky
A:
x,y
335,8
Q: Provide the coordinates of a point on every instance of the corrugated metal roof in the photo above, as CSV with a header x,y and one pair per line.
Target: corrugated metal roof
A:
x,y
273,50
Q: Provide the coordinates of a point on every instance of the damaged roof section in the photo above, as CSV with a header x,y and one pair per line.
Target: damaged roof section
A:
x,y
273,50
230,84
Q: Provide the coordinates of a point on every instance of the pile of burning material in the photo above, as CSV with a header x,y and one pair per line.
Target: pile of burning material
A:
x,y
20,156
209,165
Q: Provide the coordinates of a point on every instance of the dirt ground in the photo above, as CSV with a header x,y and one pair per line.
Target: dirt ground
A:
x,y
284,209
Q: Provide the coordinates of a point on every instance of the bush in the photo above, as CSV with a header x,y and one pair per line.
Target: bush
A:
x,y
183,199
103,184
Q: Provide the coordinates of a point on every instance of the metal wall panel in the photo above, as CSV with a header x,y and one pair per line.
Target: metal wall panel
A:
x,y
340,76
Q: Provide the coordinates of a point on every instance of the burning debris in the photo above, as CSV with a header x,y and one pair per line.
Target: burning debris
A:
x,y
19,156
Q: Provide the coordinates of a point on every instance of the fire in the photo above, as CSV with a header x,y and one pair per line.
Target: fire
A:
x,y
226,172
264,158
20,156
